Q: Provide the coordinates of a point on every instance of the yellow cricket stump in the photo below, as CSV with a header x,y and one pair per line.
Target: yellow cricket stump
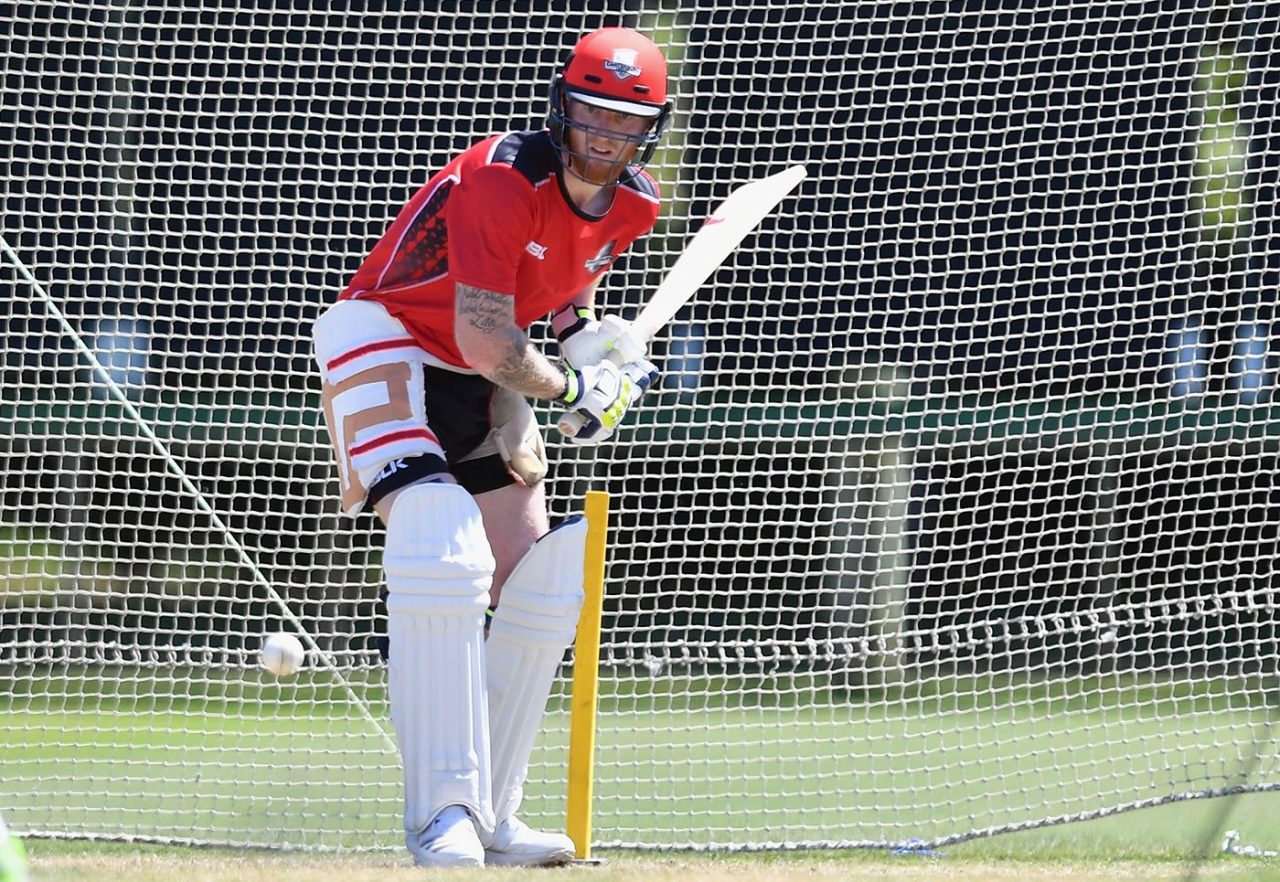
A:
x,y
586,670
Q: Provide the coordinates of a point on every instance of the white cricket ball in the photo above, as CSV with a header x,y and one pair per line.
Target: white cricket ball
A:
x,y
282,655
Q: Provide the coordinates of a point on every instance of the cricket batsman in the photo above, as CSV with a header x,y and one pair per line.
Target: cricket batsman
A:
x,y
427,373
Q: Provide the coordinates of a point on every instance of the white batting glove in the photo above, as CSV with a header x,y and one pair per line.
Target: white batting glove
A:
x,y
578,332
585,341
602,394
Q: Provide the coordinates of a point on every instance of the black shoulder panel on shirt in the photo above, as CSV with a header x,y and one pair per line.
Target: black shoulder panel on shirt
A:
x,y
530,153
640,182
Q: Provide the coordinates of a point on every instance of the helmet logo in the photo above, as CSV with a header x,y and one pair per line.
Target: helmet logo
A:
x,y
623,64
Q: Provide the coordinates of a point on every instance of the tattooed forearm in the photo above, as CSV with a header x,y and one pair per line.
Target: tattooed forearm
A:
x,y
494,345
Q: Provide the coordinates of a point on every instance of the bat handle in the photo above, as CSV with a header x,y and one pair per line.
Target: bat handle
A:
x,y
570,423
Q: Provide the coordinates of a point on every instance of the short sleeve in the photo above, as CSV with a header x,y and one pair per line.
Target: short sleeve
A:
x,y
490,219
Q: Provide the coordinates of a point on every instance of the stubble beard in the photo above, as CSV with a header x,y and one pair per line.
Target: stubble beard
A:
x,y
598,172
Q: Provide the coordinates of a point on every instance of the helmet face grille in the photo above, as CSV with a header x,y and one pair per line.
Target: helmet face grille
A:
x,y
559,122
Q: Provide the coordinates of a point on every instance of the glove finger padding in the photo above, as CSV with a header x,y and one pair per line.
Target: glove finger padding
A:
x,y
645,375
518,438
620,344
585,342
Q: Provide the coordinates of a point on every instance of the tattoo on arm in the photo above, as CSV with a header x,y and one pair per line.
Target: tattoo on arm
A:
x,y
516,364
484,310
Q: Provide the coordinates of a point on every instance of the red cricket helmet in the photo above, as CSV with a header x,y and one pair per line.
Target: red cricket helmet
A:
x,y
618,69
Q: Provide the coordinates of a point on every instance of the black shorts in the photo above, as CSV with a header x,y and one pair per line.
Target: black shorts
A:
x,y
459,410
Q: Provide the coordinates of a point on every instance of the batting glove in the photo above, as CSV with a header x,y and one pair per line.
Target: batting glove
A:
x,y
585,341
602,394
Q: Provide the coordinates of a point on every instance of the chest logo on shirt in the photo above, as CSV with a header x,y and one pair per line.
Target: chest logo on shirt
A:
x,y
537,250
603,258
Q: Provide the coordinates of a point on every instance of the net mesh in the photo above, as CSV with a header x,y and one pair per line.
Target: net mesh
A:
x,y
956,512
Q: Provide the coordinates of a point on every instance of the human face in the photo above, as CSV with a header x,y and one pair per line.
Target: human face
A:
x,y
601,141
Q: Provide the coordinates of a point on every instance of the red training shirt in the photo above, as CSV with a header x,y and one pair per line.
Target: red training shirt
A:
x,y
497,217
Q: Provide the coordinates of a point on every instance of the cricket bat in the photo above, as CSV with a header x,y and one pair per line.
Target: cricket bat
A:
x,y
720,233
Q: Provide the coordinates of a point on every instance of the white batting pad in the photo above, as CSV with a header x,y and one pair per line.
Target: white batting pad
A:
x,y
439,568
536,619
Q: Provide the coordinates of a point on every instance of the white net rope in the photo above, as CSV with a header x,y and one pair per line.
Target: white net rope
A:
x,y
956,512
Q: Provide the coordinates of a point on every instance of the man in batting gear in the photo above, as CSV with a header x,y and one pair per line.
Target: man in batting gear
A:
x,y
427,373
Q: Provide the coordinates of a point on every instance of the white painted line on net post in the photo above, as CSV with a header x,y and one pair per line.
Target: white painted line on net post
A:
x,y
187,484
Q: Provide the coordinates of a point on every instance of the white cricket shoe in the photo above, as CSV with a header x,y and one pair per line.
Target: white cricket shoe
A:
x,y
450,840
516,844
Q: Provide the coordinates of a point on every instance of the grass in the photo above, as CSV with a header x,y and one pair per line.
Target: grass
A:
x,y
230,756
1071,858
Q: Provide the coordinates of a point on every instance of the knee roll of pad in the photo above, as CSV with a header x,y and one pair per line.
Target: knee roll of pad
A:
x,y
436,550
542,598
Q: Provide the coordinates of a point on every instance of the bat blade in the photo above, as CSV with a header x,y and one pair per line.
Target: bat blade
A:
x,y
719,235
